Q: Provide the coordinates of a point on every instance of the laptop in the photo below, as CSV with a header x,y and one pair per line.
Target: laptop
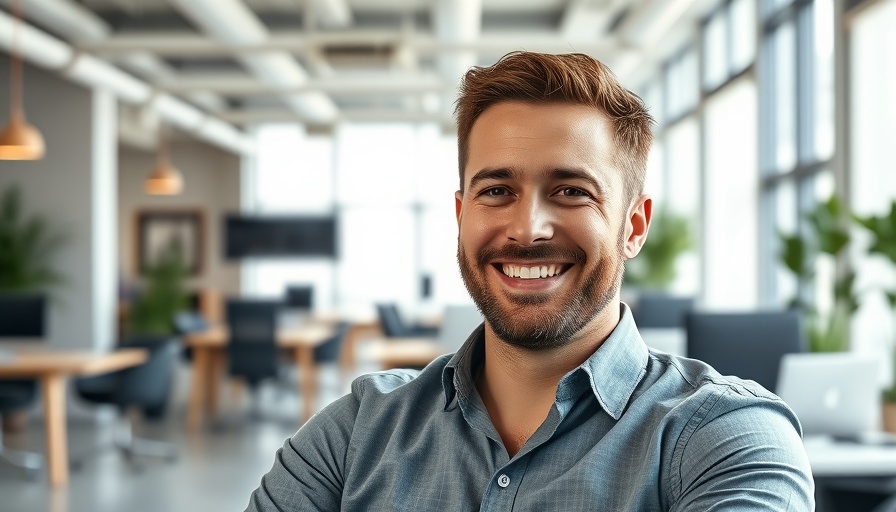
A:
x,y
833,394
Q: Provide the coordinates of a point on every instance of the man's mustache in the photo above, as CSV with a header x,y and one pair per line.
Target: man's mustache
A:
x,y
488,255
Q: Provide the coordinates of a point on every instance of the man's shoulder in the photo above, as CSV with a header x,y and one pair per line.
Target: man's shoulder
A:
x,y
398,382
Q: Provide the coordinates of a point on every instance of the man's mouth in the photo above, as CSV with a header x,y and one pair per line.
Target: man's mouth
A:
x,y
533,271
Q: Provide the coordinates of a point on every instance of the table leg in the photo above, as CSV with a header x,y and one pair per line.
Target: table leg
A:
x,y
308,380
201,364
216,364
53,390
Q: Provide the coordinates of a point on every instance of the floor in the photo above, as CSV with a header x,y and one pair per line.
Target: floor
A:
x,y
217,468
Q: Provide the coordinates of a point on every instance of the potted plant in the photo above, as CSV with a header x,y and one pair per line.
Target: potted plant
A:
x,y
828,237
163,294
654,268
883,242
27,247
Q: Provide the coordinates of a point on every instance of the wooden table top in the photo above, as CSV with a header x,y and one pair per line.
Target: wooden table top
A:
x,y
38,361
312,334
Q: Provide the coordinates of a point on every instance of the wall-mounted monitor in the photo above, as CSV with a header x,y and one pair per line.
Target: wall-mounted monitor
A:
x,y
279,236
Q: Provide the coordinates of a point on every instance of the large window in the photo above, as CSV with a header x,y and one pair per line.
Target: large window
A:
x,y
391,187
797,126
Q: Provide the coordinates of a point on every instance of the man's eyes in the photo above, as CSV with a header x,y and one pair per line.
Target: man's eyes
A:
x,y
574,192
495,191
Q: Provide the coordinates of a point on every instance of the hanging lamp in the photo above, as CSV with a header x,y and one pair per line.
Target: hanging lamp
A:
x,y
164,179
19,140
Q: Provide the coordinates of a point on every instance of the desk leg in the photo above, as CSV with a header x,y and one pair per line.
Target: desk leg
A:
x,y
201,365
308,381
216,365
53,390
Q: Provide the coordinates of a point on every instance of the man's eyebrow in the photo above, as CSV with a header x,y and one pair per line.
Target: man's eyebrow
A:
x,y
501,173
575,174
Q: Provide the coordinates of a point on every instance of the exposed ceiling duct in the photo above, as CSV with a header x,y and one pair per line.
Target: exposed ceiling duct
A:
x,y
234,24
456,22
44,50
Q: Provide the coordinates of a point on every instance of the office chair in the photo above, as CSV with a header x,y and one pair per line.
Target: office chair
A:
x,y
252,351
22,317
747,345
187,322
145,386
659,310
394,327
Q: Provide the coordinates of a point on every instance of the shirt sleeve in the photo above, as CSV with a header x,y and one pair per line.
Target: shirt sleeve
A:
x,y
308,471
748,458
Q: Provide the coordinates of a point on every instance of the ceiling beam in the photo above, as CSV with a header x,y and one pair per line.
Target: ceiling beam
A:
x,y
190,45
241,85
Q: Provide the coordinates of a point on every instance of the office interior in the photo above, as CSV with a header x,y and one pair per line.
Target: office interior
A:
x,y
334,118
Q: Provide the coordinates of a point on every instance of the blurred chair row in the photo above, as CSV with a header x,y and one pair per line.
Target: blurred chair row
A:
x,y
749,345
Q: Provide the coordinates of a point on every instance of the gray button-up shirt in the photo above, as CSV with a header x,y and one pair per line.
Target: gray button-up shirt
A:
x,y
631,429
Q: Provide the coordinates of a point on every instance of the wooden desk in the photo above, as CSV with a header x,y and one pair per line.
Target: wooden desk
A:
x,y
209,349
52,367
404,352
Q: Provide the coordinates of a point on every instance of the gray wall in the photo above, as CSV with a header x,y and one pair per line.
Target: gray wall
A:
x,y
73,186
211,185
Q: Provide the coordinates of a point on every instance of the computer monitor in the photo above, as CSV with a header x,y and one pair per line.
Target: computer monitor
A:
x,y
300,297
22,315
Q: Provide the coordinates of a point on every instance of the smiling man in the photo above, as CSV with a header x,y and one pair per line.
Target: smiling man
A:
x,y
554,403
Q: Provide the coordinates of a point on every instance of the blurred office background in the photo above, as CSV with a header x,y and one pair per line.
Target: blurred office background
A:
x,y
313,149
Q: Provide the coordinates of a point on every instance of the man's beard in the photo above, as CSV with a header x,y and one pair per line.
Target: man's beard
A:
x,y
545,329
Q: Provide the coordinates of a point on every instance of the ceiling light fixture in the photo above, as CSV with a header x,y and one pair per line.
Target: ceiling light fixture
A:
x,y
19,140
165,179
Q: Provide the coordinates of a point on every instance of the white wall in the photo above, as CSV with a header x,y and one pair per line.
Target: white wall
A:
x,y
211,185
73,186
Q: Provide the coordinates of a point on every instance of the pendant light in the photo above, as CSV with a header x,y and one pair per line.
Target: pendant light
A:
x,y
165,179
19,140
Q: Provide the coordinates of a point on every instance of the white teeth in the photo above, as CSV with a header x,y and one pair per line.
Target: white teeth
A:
x,y
534,272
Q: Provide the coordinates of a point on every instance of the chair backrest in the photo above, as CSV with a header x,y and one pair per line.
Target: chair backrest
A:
x,y
747,345
658,310
186,322
457,324
148,384
252,348
22,315
329,351
390,320
299,297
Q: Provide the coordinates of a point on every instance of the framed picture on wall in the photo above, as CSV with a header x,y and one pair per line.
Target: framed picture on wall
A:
x,y
159,231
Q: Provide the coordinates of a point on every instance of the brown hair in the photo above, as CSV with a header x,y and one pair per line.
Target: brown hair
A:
x,y
569,78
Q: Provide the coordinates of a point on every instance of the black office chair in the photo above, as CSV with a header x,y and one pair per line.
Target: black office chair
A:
x,y
252,349
394,327
747,345
329,351
146,386
660,310
22,317
187,322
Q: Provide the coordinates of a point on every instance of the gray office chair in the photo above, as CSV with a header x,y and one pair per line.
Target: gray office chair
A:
x,y
22,317
395,327
660,310
146,386
747,345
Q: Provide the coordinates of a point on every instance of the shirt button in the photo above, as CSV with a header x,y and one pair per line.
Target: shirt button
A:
x,y
503,481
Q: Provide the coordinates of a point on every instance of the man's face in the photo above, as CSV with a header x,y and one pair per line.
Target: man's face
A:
x,y
543,226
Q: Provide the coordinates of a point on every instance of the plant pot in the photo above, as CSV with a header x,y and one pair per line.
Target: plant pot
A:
x,y
889,416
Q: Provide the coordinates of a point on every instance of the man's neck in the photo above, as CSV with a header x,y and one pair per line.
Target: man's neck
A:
x,y
518,386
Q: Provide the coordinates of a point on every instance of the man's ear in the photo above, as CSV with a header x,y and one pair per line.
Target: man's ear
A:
x,y
458,204
637,223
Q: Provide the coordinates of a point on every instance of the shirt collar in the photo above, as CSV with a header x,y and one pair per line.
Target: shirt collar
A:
x,y
613,371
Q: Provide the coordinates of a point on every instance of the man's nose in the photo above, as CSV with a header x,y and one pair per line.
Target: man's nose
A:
x,y
530,221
